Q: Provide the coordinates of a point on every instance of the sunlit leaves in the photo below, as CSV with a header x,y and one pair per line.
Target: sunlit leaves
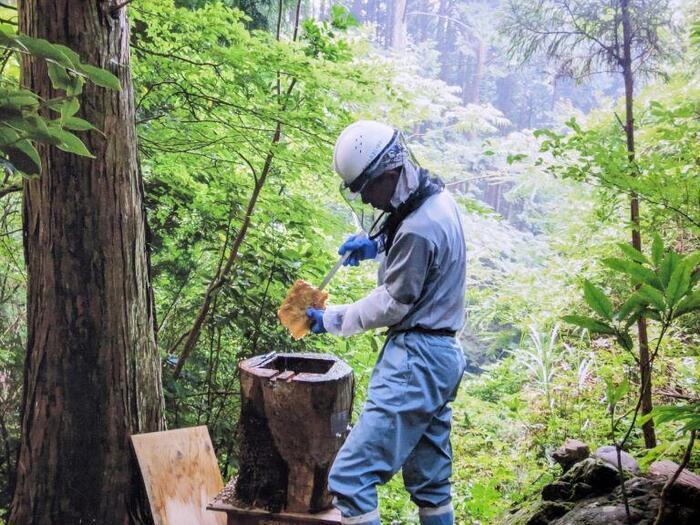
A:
x,y
22,121
664,292
589,323
639,273
597,300
615,393
688,415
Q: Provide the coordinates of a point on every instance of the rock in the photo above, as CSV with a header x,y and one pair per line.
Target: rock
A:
x,y
598,513
557,490
570,453
548,511
599,475
686,488
581,490
589,494
586,478
609,454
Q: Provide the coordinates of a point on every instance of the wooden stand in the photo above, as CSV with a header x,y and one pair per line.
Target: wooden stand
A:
x,y
240,516
295,411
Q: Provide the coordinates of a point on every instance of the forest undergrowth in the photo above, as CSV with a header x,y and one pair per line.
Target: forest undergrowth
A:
x,y
238,106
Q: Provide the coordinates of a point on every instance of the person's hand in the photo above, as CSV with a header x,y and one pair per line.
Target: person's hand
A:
x,y
360,248
315,315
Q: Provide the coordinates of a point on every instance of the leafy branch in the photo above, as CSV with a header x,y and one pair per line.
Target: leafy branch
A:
x,y
23,124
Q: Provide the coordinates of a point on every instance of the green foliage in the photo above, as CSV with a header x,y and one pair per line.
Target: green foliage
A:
x,y
210,94
665,292
22,120
542,210
688,415
665,170
615,393
585,37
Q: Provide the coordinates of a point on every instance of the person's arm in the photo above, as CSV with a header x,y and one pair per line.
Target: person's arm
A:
x,y
407,266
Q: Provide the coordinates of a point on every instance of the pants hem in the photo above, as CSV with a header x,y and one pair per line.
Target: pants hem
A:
x,y
435,511
362,518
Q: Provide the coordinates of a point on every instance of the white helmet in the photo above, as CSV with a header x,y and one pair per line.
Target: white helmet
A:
x,y
357,146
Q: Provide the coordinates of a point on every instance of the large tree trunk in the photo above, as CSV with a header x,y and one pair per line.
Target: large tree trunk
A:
x,y
480,51
92,374
398,25
644,359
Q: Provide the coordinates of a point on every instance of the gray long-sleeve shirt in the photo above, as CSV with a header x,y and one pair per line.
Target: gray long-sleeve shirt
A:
x,y
426,266
421,278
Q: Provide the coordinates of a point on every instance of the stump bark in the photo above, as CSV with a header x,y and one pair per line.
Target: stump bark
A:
x,y
295,412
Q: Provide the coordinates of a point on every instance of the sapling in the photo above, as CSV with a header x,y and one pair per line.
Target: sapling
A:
x,y
665,290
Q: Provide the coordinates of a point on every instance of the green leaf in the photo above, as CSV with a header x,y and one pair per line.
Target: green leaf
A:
x,y
373,344
589,323
625,341
633,253
7,37
44,49
688,413
60,79
690,303
69,108
631,305
638,273
76,88
668,265
615,393
19,99
512,158
597,300
341,17
651,314
657,250
77,124
31,127
70,143
101,77
653,296
679,282
72,55
24,157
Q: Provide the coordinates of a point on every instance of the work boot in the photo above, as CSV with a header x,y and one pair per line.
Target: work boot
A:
x,y
437,515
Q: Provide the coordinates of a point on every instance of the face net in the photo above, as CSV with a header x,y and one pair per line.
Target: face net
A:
x,y
396,154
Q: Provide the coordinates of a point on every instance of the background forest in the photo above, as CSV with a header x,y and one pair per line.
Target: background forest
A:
x,y
520,105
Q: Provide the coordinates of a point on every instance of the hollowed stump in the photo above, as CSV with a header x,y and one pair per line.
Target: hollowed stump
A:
x,y
295,411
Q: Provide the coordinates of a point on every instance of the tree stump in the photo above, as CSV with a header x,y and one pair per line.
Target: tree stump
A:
x,y
295,411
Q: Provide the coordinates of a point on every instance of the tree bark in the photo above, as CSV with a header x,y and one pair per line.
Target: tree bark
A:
x,y
398,25
480,52
92,371
644,359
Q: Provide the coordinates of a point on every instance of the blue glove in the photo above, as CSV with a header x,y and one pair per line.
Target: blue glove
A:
x,y
360,248
315,315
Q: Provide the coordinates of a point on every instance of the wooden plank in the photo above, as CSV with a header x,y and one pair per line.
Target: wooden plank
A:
x,y
287,375
252,516
181,475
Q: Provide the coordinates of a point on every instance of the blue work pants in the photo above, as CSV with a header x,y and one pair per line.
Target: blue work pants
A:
x,y
405,423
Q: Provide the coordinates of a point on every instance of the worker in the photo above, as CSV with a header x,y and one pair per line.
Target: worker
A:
x,y
406,421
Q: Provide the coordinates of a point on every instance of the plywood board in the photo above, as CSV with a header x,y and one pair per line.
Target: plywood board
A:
x,y
181,475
